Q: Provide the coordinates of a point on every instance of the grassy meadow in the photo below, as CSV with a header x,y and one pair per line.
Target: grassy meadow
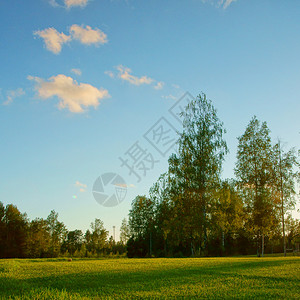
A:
x,y
211,278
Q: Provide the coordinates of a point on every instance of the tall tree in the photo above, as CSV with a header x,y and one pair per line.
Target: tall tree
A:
x,y
88,240
58,233
285,176
254,172
38,238
124,232
162,195
198,165
142,224
99,235
16,225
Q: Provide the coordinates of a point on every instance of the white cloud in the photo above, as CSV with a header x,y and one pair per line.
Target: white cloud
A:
x,y
176,86
88,35
227,3
159,85
70,3
11,95
82,186
76,71
124,185
53,3
124,73
53,39
170,96
75,97
219,3
77,183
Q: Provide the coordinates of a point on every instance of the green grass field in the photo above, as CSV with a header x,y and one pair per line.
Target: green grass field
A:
x,y
211,278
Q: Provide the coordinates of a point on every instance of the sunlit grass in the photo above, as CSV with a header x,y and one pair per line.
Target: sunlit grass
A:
x,y
242,277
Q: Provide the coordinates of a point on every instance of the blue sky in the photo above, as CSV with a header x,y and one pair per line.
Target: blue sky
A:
x,y
83,80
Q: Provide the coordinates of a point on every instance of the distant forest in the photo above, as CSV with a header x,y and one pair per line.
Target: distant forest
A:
x,y
190,210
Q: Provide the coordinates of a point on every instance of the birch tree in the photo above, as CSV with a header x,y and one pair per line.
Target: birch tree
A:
x,y
198,166
285,176
254,173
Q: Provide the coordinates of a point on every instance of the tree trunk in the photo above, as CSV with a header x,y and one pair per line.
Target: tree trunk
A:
x,y
262,244
223,240
257,243
204,230
282,206
150,244
192,249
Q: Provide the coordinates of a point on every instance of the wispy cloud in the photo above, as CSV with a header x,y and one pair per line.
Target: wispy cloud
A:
x,y
219,3
159,85
69,3
12,94
77,98
110,74
77,183
124,74
82,187
124,185
53,3
53,39
170,96
88,35
76,72
226,3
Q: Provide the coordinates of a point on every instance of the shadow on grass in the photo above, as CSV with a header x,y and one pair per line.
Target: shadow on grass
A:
x,y
229,274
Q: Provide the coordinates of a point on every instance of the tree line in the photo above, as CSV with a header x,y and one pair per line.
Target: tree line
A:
x,y
39,238
192,211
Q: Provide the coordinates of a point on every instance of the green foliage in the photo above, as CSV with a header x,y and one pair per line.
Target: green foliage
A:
x,y
192,212
254,173
13,233
74,242
58,233
195,172
99,236
141,215
266,177
38,239
124,232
